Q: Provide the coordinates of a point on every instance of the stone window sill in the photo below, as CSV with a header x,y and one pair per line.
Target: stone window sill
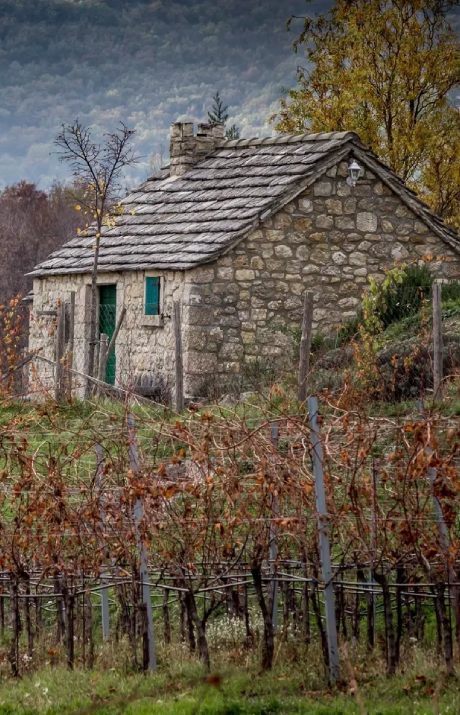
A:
x,y
152,321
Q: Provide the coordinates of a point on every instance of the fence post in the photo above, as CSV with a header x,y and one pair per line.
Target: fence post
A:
x,y
60,345
103,341
437,343
305,345
105,589
317,457
71,343
144,573
274,434
179,360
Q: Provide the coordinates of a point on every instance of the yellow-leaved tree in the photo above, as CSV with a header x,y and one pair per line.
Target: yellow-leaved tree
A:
x,y
385,69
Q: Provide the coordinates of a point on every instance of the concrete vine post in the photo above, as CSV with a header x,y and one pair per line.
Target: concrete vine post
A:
x,y
105,589
143,570
323,532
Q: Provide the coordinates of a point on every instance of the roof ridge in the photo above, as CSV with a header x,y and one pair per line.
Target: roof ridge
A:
x,y
286,139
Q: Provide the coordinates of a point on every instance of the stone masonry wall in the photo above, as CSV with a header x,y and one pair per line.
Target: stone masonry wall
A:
x,y
246,306
143,349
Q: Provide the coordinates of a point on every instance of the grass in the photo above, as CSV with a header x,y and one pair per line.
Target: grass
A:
x,y
289,689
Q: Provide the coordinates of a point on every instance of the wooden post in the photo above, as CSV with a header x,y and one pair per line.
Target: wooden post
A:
x,y
179,401
143,571
60,345
274,434
103,341
71,343
114,337
437,343
305,345
105,589
321,508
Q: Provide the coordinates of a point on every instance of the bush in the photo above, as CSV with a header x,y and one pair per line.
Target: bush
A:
x,y
408,296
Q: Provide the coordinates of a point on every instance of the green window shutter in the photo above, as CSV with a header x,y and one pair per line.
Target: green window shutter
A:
x,y
152,296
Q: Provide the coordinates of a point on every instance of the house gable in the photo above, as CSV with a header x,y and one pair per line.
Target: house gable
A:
x,y
330,239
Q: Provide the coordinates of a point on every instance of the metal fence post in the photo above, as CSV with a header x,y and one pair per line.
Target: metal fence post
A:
x,y
144,573
105,589
274,434
317,457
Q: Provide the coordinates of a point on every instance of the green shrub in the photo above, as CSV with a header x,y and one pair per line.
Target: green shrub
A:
x,y
407,297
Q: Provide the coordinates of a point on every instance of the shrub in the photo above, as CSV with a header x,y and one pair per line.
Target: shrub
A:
x,y
407,297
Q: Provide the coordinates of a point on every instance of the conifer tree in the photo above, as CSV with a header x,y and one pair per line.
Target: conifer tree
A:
x,y
219,115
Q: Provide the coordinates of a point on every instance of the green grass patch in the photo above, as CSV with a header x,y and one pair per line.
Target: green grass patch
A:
x,y
183,691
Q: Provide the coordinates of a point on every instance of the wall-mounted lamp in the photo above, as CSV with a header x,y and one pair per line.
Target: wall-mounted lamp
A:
x,y
354,172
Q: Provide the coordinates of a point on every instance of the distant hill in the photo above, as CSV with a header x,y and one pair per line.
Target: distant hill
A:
x,y
146,62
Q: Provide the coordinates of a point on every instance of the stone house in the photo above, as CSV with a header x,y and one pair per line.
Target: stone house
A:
x,y
237,231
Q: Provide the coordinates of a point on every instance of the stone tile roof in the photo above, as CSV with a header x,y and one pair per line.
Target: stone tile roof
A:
x,y
180,222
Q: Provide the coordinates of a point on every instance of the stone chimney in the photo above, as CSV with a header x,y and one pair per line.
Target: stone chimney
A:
x,y
186,149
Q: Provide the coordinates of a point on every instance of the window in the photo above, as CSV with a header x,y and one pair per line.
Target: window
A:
x,y
152,296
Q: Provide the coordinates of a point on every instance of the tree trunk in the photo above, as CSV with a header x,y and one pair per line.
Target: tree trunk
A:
x,y
400,576
60,623
319,623
247,623
89,629
268,645
202,641
69,602
30,633
438,614
190,628
389,625
13,654
93,317
144,636
306,612
447,631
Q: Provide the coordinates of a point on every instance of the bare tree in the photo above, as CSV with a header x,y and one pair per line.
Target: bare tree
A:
x,y
97,170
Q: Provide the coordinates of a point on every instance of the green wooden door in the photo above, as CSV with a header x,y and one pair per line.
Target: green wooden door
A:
x,y
107,322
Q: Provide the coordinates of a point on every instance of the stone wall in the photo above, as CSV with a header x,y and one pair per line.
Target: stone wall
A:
x,y
145,345
248,304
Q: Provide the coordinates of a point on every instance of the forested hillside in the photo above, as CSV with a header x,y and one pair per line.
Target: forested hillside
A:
x,y
32,224
146,62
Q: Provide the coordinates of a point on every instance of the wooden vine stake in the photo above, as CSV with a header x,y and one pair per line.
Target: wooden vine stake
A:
x,y
323,532
60,352
305,345
179,392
